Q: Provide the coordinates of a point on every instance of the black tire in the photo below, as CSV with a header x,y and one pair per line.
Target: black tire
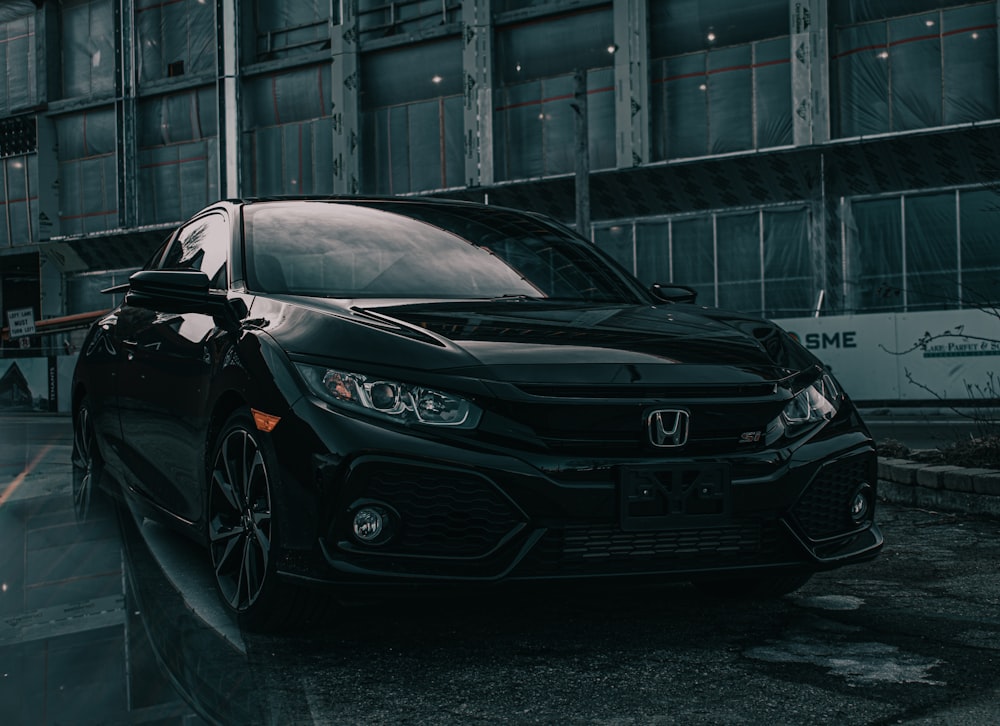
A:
x,y
242,536
761,587
88,466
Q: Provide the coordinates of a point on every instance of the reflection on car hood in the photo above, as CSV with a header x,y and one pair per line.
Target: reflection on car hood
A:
x,y
539,340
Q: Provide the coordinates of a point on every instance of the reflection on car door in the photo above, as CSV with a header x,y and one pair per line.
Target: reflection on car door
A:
x,y
167,365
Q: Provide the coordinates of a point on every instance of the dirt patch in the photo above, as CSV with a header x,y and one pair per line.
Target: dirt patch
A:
x,y
982,452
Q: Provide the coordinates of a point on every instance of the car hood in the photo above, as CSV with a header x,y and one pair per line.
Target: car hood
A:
x,y
539,341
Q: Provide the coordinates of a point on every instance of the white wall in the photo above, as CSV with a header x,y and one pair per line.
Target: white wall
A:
x,y
871,354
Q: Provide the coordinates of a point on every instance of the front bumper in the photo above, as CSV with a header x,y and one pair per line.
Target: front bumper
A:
x,y
469,513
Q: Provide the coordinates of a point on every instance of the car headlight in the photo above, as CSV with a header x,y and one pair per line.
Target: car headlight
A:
x,y
400,402
816,403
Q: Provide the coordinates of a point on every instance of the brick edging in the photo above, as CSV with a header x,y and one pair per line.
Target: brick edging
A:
x,y
950,488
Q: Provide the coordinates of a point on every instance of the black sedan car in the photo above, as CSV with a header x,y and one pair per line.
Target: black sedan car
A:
x,y
367,392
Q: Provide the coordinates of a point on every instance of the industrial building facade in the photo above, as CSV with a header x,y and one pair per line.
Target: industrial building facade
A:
x,y
785,157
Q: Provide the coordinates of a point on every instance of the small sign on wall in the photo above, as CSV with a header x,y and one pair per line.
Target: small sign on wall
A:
x,y
22,322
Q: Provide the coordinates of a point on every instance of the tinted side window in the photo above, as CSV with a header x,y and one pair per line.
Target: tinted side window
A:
x,y
201,245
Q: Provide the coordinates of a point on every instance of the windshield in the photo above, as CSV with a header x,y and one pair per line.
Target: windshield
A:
x,y
420,250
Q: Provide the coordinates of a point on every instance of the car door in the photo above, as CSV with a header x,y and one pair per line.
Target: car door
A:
x,y
168,361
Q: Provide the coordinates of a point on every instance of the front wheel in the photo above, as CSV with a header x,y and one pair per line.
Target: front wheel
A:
x,y
241,528
88,466
244,537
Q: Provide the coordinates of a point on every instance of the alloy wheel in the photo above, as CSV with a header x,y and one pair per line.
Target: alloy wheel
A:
x,y
84,461
239,525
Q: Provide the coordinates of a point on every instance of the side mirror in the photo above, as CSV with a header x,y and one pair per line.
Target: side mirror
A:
x,y
182,291
674,293
174,291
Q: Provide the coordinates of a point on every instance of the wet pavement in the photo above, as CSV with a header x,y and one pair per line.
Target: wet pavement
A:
x,y
68,647
112,619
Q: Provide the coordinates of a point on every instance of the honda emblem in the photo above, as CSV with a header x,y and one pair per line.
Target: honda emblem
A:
x,y
668,428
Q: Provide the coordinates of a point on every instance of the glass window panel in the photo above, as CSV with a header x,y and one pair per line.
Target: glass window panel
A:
x,y
683,26
653,252
288,96
319,180
979,215
931,252
175,38
158,173
845,12
970,64
454,147
378,19
877,255
413,138
425,158
788,267
557,46
399,149
18,87
862,69
658,109
730,99
558,125
177,117
694,257
773,89
739,261
286,27
83,135
686,94
15,177
533,124
508,5
88,172
414,73
915,67
198,185
83,291
519,123
88,48
617,242
375,135
267,161
601,118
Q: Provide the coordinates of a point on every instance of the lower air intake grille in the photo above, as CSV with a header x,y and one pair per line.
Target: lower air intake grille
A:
x,y
823,510
583,551
442,512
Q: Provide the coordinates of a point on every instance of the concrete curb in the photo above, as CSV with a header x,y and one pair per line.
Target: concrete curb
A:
x,y
948,488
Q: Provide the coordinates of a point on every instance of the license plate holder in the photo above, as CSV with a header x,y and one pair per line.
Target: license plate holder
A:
x,y
672,496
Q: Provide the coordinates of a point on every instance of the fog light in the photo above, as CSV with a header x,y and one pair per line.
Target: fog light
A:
x,y
372,524
860,504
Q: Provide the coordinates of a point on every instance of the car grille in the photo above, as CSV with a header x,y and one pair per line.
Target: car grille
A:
x,y
581,551
442,513
823,509
617,427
